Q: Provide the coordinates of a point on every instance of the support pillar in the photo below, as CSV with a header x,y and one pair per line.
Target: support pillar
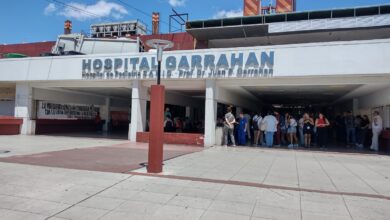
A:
x,y
105,114
138,110
355,107
210,114
24,108
156,134
188,111
238,111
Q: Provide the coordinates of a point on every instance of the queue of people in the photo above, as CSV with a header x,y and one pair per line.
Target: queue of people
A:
x,y
308,130
354,130
181,125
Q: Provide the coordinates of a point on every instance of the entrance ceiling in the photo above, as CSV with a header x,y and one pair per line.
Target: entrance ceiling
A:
x,y
303,94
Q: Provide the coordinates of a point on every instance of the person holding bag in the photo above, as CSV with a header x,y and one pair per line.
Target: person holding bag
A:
x,y
308,125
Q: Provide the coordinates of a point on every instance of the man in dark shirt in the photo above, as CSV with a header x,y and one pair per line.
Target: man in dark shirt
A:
x,y
350,127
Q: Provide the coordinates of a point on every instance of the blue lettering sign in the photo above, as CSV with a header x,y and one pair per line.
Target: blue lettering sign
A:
x,y
209,62
267,59
252,61
196,62
171,63
144,66
222,62
183,64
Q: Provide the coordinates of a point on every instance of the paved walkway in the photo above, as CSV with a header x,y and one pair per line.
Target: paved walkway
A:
x,y
81,153
217,183
336,172
26,145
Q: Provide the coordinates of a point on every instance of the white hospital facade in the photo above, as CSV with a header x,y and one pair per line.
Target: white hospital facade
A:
x,y
339,61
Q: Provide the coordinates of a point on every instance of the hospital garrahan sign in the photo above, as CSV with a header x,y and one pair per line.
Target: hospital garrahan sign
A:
x,y
182,65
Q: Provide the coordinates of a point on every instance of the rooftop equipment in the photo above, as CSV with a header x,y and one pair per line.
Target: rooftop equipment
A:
x,y
77,44
118,29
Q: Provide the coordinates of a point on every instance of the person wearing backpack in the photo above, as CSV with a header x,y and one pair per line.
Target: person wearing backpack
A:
x,y
258,134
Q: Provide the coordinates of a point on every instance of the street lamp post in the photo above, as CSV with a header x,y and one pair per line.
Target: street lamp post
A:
x,y
157,103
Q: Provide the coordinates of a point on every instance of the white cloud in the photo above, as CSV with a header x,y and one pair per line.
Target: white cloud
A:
x,y
101,9
177,3
228,14
50,8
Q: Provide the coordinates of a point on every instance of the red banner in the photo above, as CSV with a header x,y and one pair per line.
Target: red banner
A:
x,y
251,7
284,6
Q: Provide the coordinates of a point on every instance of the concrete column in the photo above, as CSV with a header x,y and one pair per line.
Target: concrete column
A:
x,y
188,111
105,113
355,107
210,113
24,108
238,111
139,97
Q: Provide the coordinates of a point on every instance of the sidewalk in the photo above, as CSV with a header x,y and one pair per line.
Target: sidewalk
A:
x,y
216,183
336,172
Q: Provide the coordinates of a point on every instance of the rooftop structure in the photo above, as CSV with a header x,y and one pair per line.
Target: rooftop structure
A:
x,y
298,27
118,29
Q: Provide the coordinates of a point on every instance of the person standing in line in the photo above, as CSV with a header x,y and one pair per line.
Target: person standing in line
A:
x,y
377,127
167,113
228,127
278,131
358,130
300,129
168,124
98,122
364,128
256,123
270,123
283,128
322,124
242,130
350,128
292,131
262,127
248,130
308,125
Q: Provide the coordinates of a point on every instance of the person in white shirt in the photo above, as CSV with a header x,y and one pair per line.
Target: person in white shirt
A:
x,y
377,126
258,134
270,123
292,131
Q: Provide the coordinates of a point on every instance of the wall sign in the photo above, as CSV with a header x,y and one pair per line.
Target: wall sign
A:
x,y
7,93
49,110
232,64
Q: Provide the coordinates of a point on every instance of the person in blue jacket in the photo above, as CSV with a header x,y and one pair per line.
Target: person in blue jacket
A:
x,y
242,128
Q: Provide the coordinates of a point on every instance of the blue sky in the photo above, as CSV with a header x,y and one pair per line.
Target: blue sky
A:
x,y
42,20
